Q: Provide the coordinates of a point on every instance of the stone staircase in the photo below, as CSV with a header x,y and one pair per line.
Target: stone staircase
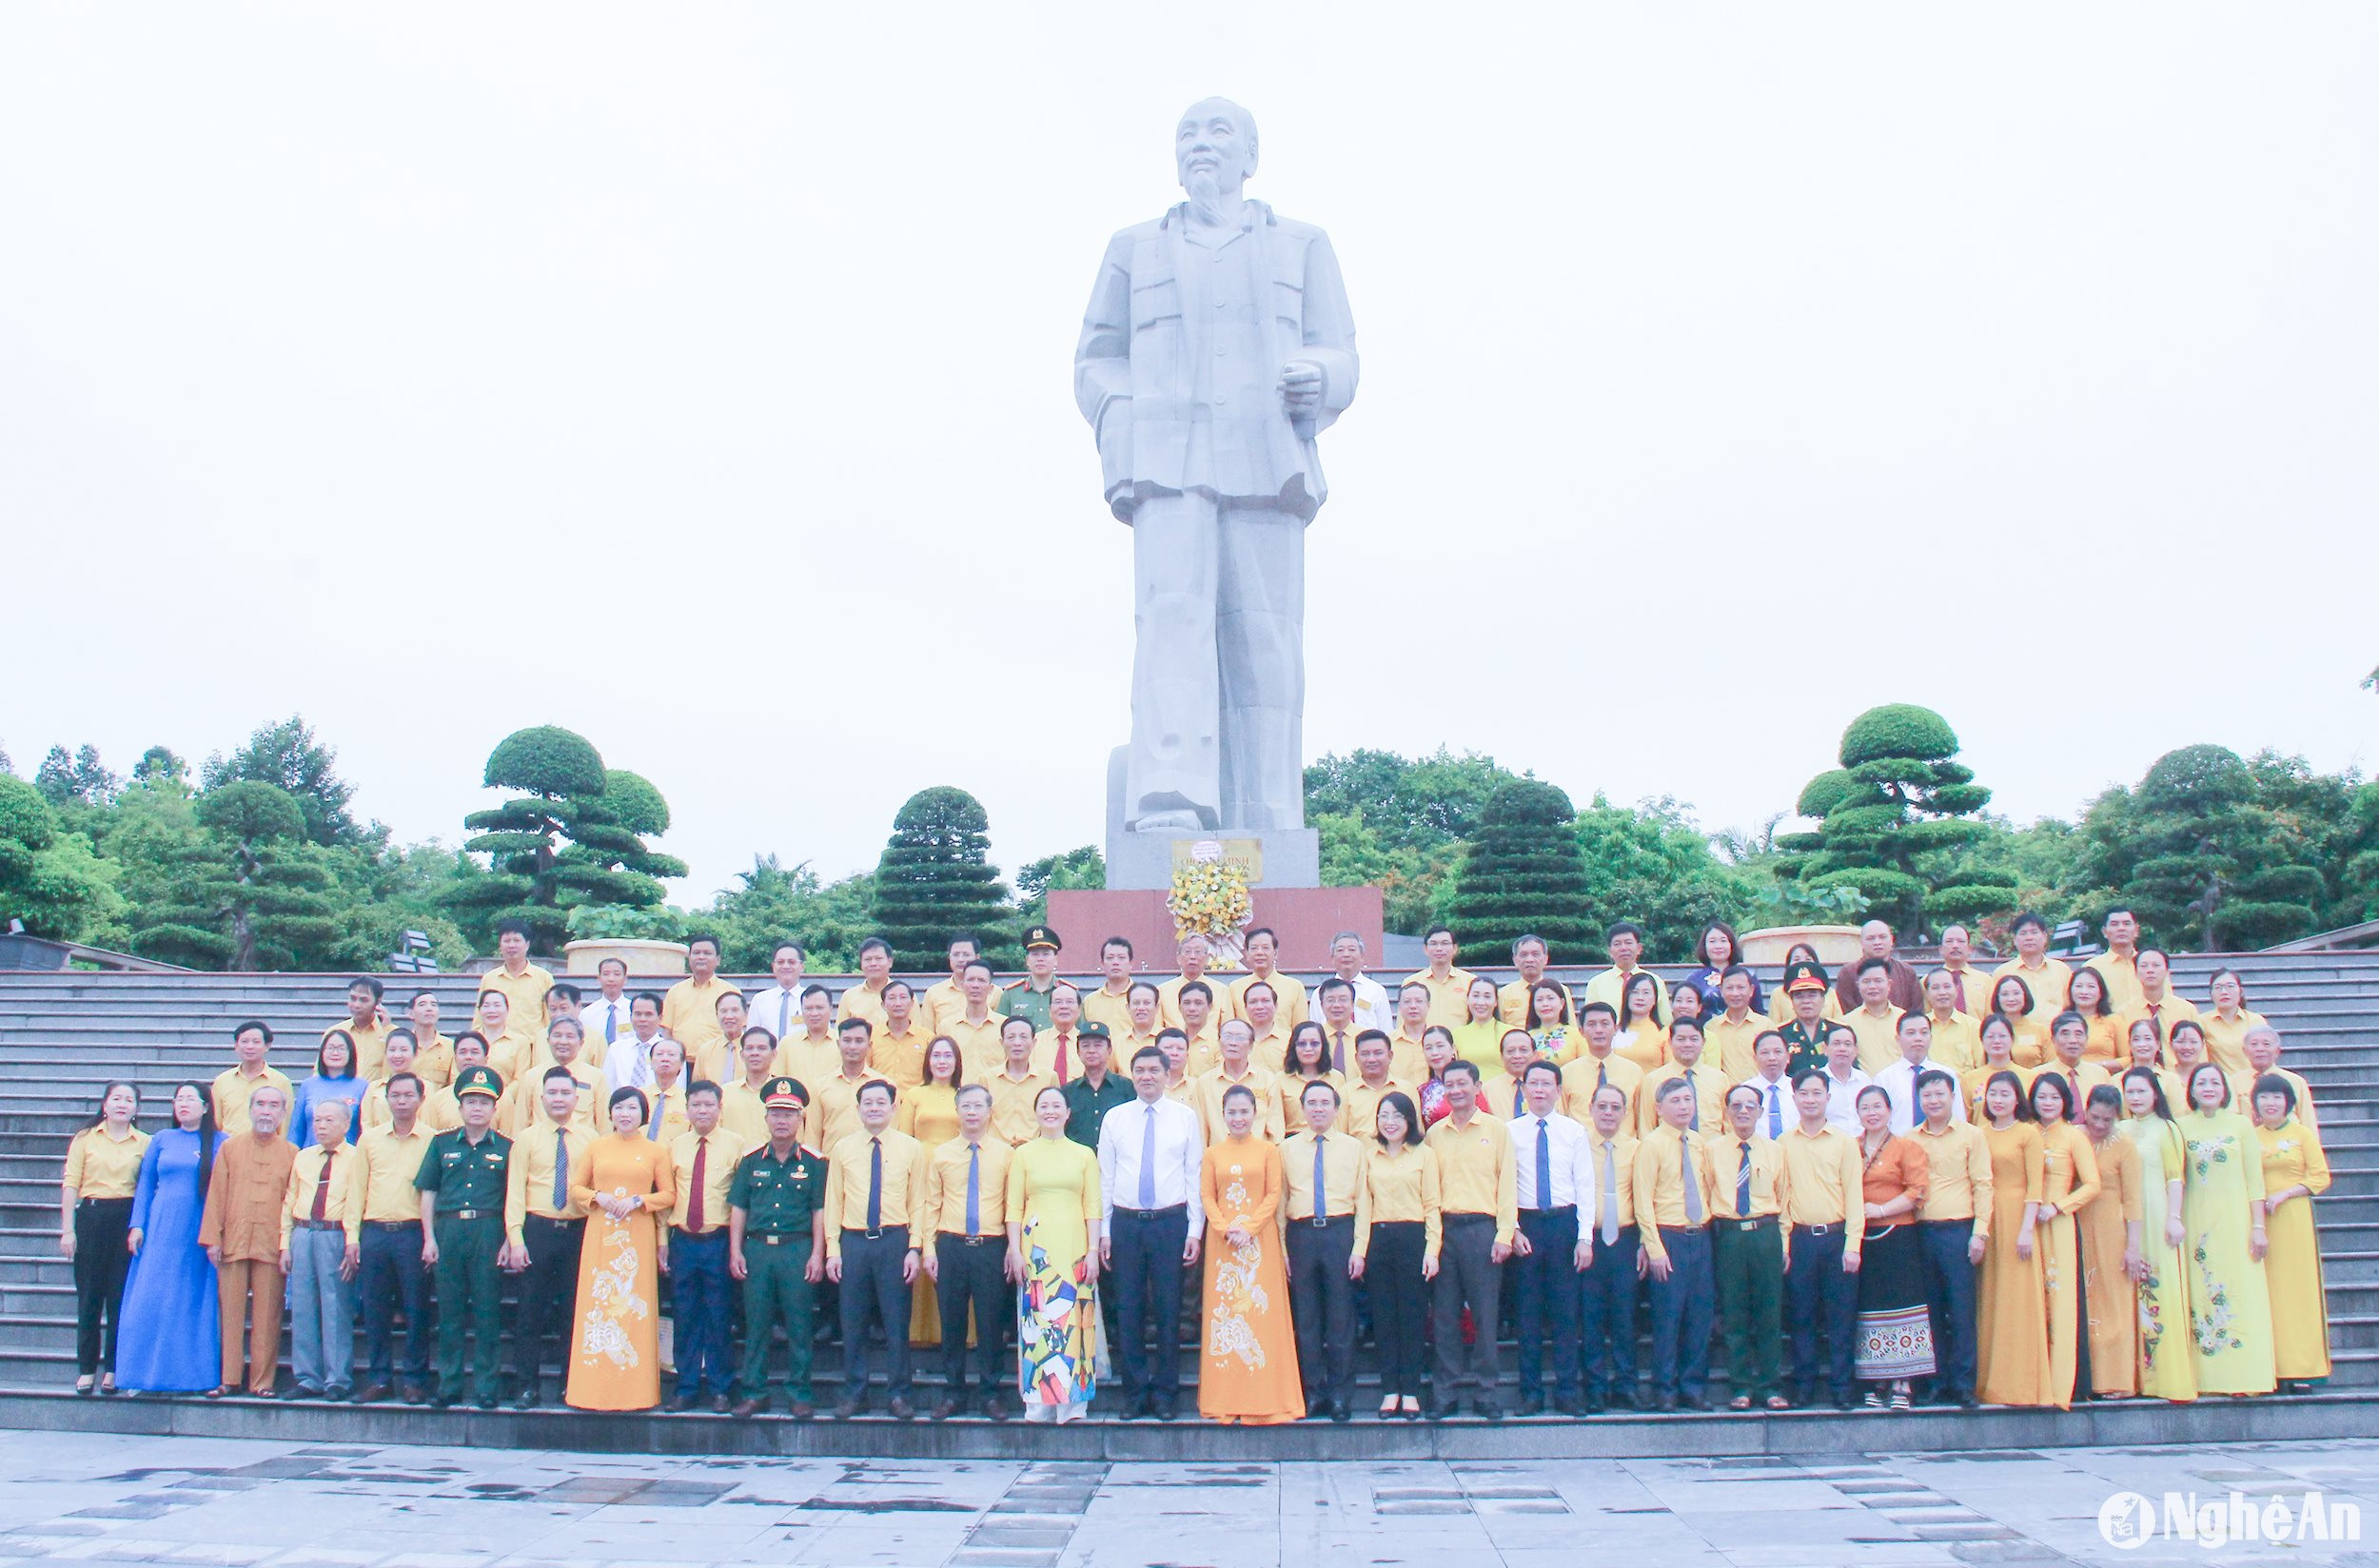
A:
x,y
62,1035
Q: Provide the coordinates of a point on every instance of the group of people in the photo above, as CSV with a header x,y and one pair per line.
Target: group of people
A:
x,y
2031,1186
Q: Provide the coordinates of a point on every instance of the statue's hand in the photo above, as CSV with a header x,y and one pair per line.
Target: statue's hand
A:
x,y
1301,386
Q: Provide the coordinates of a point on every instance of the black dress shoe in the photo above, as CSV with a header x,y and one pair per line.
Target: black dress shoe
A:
x,y
298,1391
1532,1405
371,1393
1436,1412
414,1394
1665,1402
1595,1404
1968,1402
1692,1401
746,1409
444,1401
722,1403
1573,1408
688,1400
995,1407
946,1409
1339,1411
846,1410
1162,1409
1489,1408
528,1398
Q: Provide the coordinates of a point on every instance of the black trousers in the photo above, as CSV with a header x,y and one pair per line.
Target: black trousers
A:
x,y
1544,1287
1819,1297
1950,1302
100,1261
972,1275
391,1278
1681,1313
1606,1318
1321,1299
1400,1305
872,1291
1467,1276
549,1294
1144,1256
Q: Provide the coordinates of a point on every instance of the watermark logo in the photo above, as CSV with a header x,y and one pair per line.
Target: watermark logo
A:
x,y
2129,1520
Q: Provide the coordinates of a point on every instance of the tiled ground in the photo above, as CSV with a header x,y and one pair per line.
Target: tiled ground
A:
x,y
225,1505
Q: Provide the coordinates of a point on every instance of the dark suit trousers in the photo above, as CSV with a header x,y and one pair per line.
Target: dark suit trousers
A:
x,y
549,1294
1818,1295
1467,1276
1544,1287
1681,1314
1321,1299
1145,1264
873,1290
1606,1323
972,1276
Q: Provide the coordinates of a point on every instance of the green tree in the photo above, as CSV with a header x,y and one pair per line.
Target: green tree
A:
x,y
1897,821
2198,854
608,833
776,903
1084,866
50,879
246,894
1651,864
565,839
935,878
159,762
76,777
287,757
1523,870
1400,824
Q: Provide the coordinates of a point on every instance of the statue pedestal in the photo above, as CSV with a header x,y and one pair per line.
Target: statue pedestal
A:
x,y
1303,918
1278,857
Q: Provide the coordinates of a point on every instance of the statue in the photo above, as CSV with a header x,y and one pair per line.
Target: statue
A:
x,y
1216,346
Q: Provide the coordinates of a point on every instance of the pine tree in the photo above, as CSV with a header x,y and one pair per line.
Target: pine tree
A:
x,y
565,839
1523,870
936,881
245,892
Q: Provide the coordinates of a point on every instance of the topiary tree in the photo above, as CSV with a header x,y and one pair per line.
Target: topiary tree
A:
x,y
1896,820
2200,856
565,839
935,878
1523,870
245,891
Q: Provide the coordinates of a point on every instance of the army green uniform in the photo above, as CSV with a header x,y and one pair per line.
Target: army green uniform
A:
x,y
1807,1046
779,1201
469,1180
1021,1000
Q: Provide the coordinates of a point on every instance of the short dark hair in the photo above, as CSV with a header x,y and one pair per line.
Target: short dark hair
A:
x,y
513,928
698,939
1123,942
1932,1075
661,1003
1333,983
368,984
855,1021
626,1093
956,938
1597,1004
1540,1065
757,1031
1147,1053
972,964
1435,930
1260,930
246,1024
1623,928
891,1093
795,947
1868,964
1460,1064
1199,985
702,1085
1400,1103
2269,1083
564,990
562,1072
2030,917
815,989
2051,1081
1807,1074
396,1078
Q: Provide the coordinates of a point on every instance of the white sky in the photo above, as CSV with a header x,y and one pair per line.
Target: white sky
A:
x,y
700,380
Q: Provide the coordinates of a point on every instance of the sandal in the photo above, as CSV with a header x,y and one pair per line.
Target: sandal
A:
x,y
108,1386
1740,1402
1390,1407
1875,1400
83,1387
1777,1401
1899,1398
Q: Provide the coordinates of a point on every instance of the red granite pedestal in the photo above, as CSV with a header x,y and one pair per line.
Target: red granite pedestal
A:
x,y
1304,918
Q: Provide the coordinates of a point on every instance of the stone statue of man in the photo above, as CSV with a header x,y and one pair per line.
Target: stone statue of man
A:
x,y
1216,345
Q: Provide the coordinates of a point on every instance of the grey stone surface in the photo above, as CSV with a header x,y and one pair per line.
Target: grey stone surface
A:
x,y
1216,346
1292,857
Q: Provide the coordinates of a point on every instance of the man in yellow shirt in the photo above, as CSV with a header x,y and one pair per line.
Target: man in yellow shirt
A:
x,y
963,1224
1732,1033
236,1085
313,1254
1406,1051
1193,1005
1374,1081
1626,941
866,999
513,1046
1515,1000
1746,1186
442,1111
384,1242
523,1100
875,1189
1288,992
1447,985
1057,1050
690,1011
2151,971
433,1054
2262,1055
367,1026
1875,1020
1017,1084
1145,1022
835,1099
1606,1323
1672,1224
1271,1043
1954,1222
742,1107
975,1026
703,1157
524,984
1191,955
1597,1064
2067,1043
1825,1218
1111,1004
719,1059
1706,1110
896,1050
1957,1038
1973,987
544,1228
1326,1225
666,1093
1335,999
1238,1068
1501,1096
1478,1186
811,1053
563,1001
946,999
2119,964
2049,978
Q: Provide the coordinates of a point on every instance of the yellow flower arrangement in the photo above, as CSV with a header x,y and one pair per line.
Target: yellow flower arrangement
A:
x,y
1209,897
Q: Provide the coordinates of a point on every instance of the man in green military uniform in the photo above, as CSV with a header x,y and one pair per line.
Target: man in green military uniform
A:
x,y
461,1181
1096,1090
1029,997
1805,985
777,1247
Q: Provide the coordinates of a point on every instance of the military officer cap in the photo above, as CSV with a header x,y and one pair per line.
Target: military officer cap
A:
x,y
476,1080
1804,975
1041,936
1093,1030
784,1094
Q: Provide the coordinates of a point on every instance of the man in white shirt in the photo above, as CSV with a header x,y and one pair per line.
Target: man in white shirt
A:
x,y
1373,1011
1154,1219
629,1063
604,1016
1555,1182
1899,1079
1843,1078
778,1008
1770,1053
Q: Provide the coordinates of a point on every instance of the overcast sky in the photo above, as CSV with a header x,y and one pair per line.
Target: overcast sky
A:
x,y
700,379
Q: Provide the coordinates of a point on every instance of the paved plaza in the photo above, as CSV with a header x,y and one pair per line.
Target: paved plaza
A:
x,y
91,1499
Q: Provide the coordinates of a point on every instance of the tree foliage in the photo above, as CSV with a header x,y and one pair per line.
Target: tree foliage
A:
x,y
50,879
1523,870
776,903
936,879
572,834
244,893
1399,823
287,757
80,777
1083,867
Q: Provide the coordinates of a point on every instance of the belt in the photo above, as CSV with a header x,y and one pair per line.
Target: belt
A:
x,y
1765,1221
700,1235
1322,1222
1555,1212
1683,1229
555,1219
964,1239
319,1224
94,1203
772,1238
1817,1231
469,1215
392,1225
1182,1210
1465,1219
879,1233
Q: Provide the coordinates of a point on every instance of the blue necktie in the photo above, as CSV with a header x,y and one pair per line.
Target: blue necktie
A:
x,y
660,1104
561,1169
975,1188
1742,1185
1776,1114
1321,1187
1695,1124
1693,1185
875,1186
1148,1159
1545,1165
611,1024
784,1012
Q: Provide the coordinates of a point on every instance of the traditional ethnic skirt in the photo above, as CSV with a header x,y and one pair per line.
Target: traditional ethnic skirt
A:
x,y
1894,1333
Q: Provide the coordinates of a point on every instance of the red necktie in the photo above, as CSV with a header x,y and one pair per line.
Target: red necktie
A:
x,y
321,1188
694,1203
1063,1040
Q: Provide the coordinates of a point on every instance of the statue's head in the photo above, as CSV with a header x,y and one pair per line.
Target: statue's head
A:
x,y
1215,145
